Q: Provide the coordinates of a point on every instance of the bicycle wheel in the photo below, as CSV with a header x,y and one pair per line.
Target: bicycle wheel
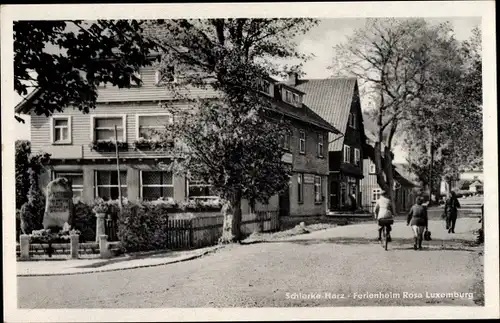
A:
x,y
384,237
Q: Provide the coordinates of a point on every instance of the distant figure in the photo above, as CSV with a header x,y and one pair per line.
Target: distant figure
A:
x,y
383,214
451,207
353,205
417,218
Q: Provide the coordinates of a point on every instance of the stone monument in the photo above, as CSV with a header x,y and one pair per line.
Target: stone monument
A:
x,y
59,204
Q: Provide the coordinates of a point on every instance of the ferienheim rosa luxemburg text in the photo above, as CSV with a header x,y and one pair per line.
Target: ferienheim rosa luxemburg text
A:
x,y
379,295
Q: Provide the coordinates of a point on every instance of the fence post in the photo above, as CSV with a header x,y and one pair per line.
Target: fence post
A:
x,y
74,245
103,246
24,246
100,225
191,242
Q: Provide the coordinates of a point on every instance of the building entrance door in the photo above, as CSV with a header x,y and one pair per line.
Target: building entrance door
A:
x,y
334,195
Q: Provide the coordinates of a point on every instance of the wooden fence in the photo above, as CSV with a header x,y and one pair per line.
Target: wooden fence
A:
x,y
182,234
206,231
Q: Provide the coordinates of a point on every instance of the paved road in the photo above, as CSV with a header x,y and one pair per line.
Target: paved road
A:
x,y
317,269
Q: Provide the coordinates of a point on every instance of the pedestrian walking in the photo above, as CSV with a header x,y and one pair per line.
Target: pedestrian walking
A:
x,y
383,214
451,207
417,218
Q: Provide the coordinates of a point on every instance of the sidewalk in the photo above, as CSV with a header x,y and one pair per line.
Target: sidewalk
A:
x,y
87,266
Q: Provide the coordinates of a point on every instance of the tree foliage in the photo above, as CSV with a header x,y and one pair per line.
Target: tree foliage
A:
x,y
67,60
390,58
25,163
231,143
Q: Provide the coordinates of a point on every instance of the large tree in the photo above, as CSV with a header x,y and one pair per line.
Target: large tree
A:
x,y
66,60
390,58
232,143
444,135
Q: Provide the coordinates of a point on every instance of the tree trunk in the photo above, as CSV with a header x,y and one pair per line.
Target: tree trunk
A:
x,y
431,164
231,229
448,189
390,179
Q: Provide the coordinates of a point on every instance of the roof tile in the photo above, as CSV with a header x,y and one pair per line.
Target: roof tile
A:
x,y
331,99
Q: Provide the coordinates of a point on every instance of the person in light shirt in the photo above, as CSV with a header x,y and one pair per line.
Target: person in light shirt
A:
x,y
384,214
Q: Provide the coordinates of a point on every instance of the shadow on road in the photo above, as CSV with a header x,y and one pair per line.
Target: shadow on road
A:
x,y
396,243
148,255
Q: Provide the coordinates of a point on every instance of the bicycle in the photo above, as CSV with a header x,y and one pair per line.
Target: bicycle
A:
x,y
385,223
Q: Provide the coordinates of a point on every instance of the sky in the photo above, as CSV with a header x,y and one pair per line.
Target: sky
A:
x,y
320,42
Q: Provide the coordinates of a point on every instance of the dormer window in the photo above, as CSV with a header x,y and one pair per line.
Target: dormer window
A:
x,y
136,74
292,98
165,75
264,86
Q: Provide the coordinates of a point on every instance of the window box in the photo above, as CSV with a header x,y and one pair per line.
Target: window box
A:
x,y
108,145
147,144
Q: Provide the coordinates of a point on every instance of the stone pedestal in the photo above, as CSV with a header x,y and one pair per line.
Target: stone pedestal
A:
x,y
24,246
100,225
104,247
74,246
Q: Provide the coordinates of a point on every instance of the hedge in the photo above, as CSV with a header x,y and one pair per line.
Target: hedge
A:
x,y
85,221
143,227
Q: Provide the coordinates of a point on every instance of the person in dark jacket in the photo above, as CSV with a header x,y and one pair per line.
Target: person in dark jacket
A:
x,y
451,207
417,218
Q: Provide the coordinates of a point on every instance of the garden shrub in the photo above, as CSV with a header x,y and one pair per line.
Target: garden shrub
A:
x,y
31,214
85,221
143,227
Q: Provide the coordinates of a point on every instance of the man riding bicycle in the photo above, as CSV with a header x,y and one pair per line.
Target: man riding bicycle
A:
x,y
383,215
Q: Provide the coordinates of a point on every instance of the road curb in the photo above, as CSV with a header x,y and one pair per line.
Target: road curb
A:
x,y
192,257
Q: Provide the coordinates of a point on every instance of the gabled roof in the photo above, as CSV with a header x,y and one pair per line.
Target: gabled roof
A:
x,y
331,99
24,106
476,183
304,114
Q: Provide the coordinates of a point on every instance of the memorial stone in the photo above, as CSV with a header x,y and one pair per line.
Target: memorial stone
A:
x,y
59,205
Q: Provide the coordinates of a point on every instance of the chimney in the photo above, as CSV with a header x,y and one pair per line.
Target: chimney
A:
x,y
293,78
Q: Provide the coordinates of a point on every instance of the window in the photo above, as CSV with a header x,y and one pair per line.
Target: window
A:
x,y
292,98
352,120
302,141
103,127
199,189
264,86
300,188
61,130
285,141
76,181
476,178
156,184
165,75
347,154
373,169
149,125
318,191
376,194
320,145
357,156
106,184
